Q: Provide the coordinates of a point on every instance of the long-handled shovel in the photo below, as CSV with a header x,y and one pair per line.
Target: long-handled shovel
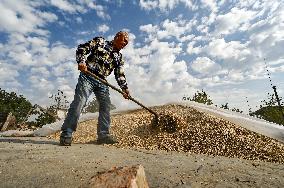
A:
x,y
118,90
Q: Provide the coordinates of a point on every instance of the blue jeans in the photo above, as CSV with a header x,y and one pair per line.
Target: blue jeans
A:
x,y
84,88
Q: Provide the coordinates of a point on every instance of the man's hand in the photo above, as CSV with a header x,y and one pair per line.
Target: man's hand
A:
x,y
82,67
126,94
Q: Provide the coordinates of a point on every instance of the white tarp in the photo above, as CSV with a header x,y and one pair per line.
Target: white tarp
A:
x,y
47,129
52,128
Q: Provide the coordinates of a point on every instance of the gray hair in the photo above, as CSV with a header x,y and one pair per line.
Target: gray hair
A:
x,y
122,33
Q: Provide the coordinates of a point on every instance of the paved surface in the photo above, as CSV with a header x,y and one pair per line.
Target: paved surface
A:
x,y
40,162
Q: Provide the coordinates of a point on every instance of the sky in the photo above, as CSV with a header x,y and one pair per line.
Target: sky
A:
x,y
227,48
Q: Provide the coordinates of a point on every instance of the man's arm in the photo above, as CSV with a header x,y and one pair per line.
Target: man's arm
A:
x,y
120,78
81,52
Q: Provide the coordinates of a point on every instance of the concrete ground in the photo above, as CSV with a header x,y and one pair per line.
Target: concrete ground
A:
x,y
41,162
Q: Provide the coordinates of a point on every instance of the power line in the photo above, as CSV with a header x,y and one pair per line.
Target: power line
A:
x,y
268,73
248,105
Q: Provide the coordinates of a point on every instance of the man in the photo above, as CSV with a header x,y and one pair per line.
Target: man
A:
x,y
102,58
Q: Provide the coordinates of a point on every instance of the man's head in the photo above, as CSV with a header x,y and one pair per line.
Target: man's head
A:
x,y
120,40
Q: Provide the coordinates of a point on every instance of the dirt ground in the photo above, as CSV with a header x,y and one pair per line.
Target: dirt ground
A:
x,y
41,162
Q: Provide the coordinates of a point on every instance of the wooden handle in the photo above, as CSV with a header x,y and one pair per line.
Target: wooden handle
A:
x,y
120,91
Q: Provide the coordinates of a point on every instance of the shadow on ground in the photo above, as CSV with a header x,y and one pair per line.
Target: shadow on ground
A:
x,y
30,140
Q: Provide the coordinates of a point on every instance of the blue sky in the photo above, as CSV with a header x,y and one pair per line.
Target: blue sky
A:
x,y
176,47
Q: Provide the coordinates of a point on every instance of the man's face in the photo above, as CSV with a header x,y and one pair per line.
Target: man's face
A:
x,y
120,41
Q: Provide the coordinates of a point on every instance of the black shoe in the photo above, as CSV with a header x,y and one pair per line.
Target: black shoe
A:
x,y
65,141
107,140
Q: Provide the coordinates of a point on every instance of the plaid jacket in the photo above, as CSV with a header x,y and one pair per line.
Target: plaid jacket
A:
x,y
102,59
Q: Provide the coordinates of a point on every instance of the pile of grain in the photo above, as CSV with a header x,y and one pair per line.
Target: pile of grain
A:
x,y
193,131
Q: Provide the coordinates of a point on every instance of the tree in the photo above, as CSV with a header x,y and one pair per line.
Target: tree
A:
x,y
270,111
49,115
59,100
18,105
201,97
93,106
45,116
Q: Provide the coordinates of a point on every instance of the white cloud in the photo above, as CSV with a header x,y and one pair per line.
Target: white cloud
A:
x,y
42,71
162,65
211,4
67,69
65,5
8,72
48,17
61,53
252,3
103,28
149,28
170,4
205,66
36,42
153,69
237,98
164,5
21,16
79,20
148,5
35,51
230,22
221,49
179,29
279,61
202,29
244,60
23,57
187,38
236,75
238,61
228,47
267,35
101,12
28,51
40,84
81,7
191,49
176,28
189,4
